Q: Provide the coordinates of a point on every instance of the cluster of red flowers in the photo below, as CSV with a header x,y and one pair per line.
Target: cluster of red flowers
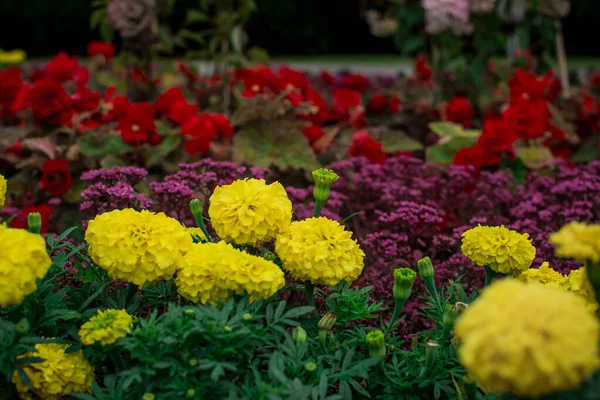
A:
x,y
527,117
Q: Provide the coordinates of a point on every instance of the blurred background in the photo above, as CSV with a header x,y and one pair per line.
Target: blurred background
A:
x,y
283,28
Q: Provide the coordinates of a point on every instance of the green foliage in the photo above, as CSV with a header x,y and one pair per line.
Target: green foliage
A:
x,y
352,304
110,145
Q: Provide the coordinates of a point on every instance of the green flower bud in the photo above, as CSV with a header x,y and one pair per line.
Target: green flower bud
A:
x,y
34,221
404,278
299,334
376,343
148,396
190,393
323,178
189,312
425,267
22,326
247,317
196,208
327,322
450,314
193,362
270,256
310,366
431,350
227,328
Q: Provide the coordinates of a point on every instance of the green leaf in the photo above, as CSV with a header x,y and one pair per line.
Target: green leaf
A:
x,y
193,36
298,311
110,145
259,144
111,161
154,155
444,151
238,38
589,150
534,157
97,17
195,16
106,32
444,129
398,141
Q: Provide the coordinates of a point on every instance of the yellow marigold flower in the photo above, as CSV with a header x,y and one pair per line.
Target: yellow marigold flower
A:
x,y
196,233
321,251
58,375
544,275
16,56
501,249
3,186
579,241
106,327
210,272
528,339
578,283
24,259
137,247
249,211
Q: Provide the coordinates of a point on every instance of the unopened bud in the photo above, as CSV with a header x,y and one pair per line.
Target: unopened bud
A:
x,y
22,326
404,278
270,256
189,312
323,178
34,221
148,396
327,322
450,314
190,393
376,343
310,366
247,317
227,328
193,362
425,267
299,334
196,207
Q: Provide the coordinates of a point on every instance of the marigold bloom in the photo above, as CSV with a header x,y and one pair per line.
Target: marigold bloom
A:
x,y
501,249
578,240
579,283
137,247
196,233
321,251
249,211
544,275
24,259
3,186
210,272
106,327
528,340
58,375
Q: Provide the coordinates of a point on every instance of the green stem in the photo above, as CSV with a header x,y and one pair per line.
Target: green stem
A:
x,y
397,310
131,291
490,275
309,292
323,338
318,207
430,287
200,222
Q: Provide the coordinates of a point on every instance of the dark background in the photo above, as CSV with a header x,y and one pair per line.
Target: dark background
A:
x,y
282,27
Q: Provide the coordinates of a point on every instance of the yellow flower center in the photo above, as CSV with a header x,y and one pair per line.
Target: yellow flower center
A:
x,y
314,109
135,127
255,88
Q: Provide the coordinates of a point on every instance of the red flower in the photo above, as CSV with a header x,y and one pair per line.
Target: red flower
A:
x,y
378,103
257,80
86,100
189,73
16,149
62,68
528,119
474,156
527,85
294,98
344,100
181,111
56,179
313,134
363,145
422,70
356,82
395,105
496,138
201,130
167,99
318,110
105,49
10,84
328,77
113,107
137,126
460,111
292,79
20,220
222,125
139,76
50,103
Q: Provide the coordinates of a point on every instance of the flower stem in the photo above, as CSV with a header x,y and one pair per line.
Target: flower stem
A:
x,y
397,310
309,292
490,275
318,207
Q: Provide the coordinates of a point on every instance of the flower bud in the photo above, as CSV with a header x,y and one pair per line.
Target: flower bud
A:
x,y
190,393
189,312
376,343
193,362
310,366
270,256
196,208
299,334
247,317
22,326
404,278
431,350
34,221
227,328
327,322
323,178
148,396
425,267
450,314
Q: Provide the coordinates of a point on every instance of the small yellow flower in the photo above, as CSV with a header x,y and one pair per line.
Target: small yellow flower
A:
x,y
544,275
23,260
528,339
579,241
321,251
57,376
578,283
16,56
106,327
3,186
210,272
137,247
249,211
501,249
